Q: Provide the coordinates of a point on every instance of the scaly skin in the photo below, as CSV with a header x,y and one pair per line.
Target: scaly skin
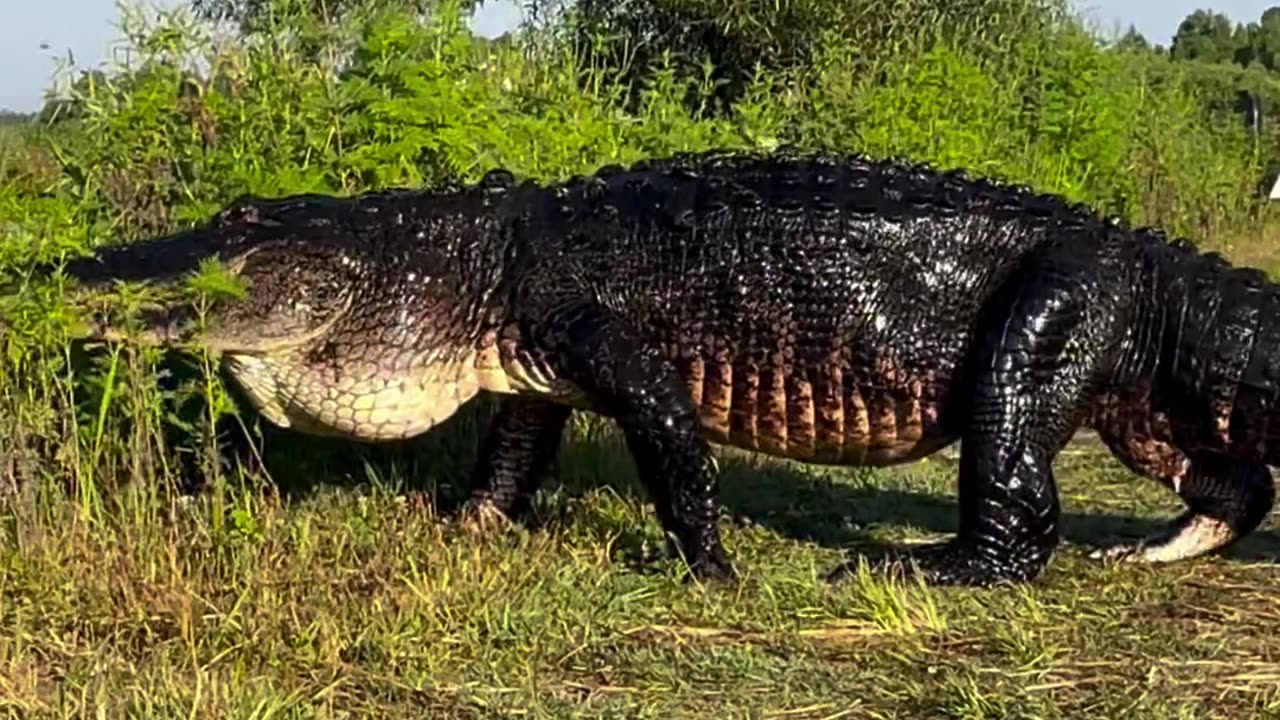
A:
x,y
831,310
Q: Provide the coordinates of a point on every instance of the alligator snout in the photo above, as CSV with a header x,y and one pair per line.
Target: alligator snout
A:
x,y
157,326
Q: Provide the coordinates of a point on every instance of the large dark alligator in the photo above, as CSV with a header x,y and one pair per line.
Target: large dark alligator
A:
x,y
827,309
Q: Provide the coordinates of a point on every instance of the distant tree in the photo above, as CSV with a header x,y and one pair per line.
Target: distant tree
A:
x,y
12,117
1245,40
1265,45
260,15
735,39
1207,36
1133,41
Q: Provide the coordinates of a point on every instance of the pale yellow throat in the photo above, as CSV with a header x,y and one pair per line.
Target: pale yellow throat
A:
x,y
366,404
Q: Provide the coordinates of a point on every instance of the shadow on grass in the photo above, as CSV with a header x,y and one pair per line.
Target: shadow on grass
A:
x,y
839,514
795,501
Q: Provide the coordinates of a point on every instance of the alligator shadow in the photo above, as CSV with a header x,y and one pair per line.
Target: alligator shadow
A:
x,y
791,500
844,514
799,502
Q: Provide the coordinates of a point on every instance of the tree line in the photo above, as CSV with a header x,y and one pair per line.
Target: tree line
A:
x,y
1014,88
739,37
1209,36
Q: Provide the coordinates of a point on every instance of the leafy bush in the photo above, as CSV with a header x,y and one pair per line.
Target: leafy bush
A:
x,y
732,40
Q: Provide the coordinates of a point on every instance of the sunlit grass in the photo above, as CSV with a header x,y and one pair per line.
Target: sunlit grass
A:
x,y
361,600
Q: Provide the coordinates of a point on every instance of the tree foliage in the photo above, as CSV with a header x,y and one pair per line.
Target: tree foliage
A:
x,y
1133,41
257,15
1209,36
9,117
727,42
1234,68
1205,35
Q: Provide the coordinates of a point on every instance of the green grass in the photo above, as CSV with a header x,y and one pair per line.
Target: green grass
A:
x,y
354,597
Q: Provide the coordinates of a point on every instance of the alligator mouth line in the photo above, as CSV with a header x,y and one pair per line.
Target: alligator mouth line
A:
x,y
180,326
282,345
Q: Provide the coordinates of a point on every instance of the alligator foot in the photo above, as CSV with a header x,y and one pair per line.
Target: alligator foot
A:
x,y
1226,500
708,562
631,381
1189,536
518,453
953,562
482,515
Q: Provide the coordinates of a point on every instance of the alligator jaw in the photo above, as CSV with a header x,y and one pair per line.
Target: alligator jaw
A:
x,y
158,327
162,260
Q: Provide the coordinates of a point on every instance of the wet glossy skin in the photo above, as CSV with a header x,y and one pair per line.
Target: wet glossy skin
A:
x,y
830,310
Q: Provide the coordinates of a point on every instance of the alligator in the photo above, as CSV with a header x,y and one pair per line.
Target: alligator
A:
x,y
831,309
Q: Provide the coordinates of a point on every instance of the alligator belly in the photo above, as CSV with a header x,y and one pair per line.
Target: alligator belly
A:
x,y
825,415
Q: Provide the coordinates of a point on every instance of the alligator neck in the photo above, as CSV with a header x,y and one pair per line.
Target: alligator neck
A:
x,y
1213,334
483,253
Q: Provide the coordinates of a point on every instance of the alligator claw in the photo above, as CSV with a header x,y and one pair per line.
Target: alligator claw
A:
x,y
1191,535
709,563
718,569
945,563
484,516
1119,552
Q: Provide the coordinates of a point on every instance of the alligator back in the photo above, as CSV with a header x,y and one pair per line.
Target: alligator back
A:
x,y
816,308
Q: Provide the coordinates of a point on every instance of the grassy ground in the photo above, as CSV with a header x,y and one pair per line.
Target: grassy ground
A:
x,y
354,599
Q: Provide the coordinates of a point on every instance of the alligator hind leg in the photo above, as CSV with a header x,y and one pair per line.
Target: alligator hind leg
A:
x,y
1226,500
517,452
1042,349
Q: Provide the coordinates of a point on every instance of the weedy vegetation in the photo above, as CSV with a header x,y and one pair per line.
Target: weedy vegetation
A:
x,y
147,571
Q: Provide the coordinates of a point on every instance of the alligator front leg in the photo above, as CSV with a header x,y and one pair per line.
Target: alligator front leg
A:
x,y
1038,356
1226,500
632,383
517,451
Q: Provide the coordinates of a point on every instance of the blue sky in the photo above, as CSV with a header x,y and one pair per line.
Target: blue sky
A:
x,y
86,29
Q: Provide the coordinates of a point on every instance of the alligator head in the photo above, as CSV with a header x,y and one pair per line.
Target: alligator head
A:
x,y
338,329
293,287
